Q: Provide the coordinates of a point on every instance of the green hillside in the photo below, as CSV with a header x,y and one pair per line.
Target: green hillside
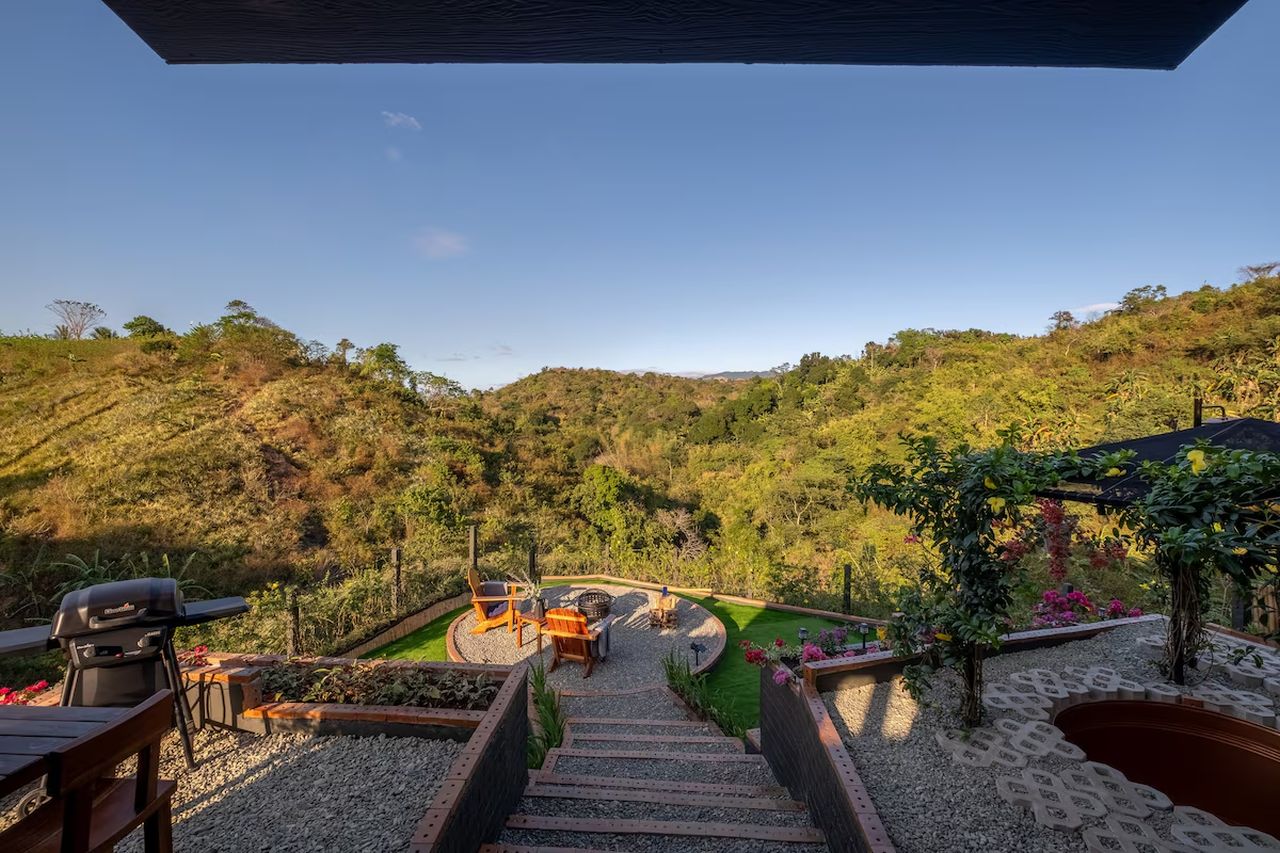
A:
x,y
250,456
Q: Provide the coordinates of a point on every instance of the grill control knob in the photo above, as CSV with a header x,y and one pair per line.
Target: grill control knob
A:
x,y
149,642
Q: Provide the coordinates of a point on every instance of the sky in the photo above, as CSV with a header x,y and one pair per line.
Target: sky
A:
x,y
493,220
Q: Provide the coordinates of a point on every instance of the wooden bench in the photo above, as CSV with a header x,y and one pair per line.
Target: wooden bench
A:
x,y
91,811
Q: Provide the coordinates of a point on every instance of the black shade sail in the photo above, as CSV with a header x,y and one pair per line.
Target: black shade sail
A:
x,y
1074,33
1235,434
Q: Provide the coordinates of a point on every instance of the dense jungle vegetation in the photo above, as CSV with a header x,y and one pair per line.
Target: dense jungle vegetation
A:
x,y
241,457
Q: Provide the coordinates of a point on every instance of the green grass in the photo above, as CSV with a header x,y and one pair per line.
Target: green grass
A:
x,y
426,643
732,678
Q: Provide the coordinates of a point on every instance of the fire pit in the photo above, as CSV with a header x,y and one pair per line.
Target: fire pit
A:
x,y
594,604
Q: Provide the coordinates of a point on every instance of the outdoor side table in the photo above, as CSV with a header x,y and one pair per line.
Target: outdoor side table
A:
x,y
522,619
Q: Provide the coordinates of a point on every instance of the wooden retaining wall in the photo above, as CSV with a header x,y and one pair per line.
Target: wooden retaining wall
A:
x,y
409,624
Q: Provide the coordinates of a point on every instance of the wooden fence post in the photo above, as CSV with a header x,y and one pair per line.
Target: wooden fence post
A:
x,y
473,548
848,588
396,589
293,639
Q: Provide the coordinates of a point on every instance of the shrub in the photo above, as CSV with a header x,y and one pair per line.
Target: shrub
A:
x,y
376,684
548,715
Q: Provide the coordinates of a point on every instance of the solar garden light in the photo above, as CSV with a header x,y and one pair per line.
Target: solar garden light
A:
x,y
864,629
698,649
803,633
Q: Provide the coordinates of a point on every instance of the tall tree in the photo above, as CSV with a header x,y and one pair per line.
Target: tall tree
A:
x,y
76,317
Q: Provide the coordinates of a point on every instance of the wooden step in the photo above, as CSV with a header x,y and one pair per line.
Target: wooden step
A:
x,y
723,788
550,823
641,755
618,737
666,798
622,721
525,848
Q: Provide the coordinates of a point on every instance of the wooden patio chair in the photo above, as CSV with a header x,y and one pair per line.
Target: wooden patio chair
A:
x,y
92,811
494,601
571,639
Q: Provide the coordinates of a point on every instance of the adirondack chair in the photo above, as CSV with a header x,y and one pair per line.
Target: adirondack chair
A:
x,y
494,601
571,639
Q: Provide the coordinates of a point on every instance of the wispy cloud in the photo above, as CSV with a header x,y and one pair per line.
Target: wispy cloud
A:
x,y
401,120
455,356
394,154
438,243
502,350
1094,309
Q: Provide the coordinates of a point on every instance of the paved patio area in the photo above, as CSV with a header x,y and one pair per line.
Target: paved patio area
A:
x,y
635,653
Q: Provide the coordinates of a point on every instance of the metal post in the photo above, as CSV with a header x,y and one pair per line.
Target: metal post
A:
x,y
848,588
293,640
533,563
396,588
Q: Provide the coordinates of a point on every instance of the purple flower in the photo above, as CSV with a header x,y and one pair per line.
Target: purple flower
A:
x,y
780,677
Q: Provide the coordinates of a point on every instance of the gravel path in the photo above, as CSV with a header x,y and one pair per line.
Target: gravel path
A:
x,y
635,650
299,793
909,775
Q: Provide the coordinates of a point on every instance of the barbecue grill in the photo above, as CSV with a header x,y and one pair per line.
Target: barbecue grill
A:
x,y
118,638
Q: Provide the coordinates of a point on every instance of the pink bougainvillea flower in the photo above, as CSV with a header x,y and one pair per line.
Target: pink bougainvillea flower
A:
x,y
780,677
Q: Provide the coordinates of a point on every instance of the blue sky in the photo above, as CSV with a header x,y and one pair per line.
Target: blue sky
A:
x,y
493,220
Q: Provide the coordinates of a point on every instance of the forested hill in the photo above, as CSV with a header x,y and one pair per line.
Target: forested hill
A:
x,y
258,456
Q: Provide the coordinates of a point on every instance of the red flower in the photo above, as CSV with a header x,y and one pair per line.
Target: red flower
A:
x,y
778,642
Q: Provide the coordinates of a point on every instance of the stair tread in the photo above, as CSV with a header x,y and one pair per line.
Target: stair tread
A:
x,y
586,779
629,721
528,848
793,834
667,797
641,755
629,738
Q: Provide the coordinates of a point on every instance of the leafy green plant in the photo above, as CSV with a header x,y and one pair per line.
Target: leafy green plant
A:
x,y
549,718
706,703
1210,510
376,684
960,504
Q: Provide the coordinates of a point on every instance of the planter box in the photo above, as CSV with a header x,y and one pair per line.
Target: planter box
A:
x,y
485,781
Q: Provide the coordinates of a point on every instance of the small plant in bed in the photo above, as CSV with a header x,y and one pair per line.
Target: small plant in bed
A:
x,y
706,703
375,684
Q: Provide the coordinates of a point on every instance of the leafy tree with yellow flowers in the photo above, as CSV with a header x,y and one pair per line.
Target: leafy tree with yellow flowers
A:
x,y
961,504
1210,510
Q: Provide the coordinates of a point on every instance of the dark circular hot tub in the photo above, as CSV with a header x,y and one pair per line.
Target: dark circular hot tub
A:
x,y
1226,766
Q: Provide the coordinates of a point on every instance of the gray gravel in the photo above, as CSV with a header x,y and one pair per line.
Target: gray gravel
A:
x,y
299,793
652,704
635,651
909,776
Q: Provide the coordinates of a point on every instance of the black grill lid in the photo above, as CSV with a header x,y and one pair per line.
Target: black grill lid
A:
x,y
121,604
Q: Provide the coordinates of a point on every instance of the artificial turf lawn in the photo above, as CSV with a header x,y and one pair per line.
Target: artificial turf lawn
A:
x,y
733,678
426,643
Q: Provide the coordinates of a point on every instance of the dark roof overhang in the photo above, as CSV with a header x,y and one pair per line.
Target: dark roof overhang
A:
x,y
1156,34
